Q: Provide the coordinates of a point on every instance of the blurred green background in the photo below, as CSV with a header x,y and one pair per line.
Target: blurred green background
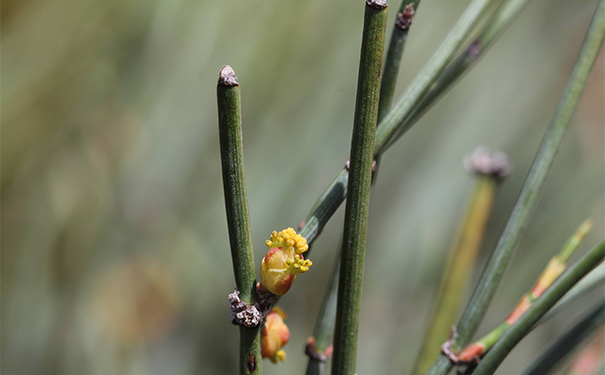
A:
x,y
115,256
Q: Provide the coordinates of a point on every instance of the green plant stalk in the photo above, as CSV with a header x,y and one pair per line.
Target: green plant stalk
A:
x,y
525,324
236,204
532,187
335,193
392,62
461,260
324,325
565,344
555,268
464,62
594,279
356,212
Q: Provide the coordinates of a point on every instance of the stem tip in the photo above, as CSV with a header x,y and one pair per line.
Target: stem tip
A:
x,y
377,4
485,162
227,77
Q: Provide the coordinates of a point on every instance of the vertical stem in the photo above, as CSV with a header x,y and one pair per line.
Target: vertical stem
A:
x,y
356,213
392,63
532,187
236,204
459,268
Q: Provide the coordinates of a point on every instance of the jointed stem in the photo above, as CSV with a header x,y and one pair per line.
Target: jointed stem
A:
x,y
525,324
555,268
532,187
356,213
236,203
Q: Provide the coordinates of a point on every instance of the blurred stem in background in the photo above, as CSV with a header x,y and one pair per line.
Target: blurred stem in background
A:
x,y
489,170
530,192
319,347
558,350
589,361
525,324
489,34
236,204
555,268
357,207
401,115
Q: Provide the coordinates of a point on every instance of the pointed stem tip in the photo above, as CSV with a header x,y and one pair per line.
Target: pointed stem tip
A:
x,y
227,77
377,4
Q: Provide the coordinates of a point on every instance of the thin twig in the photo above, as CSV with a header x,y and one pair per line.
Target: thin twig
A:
x,y
356,212
238,220
532,187
489,169
574,336
525,324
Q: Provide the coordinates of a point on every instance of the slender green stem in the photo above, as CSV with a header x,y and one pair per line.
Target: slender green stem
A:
x,y
324,325
589,282
356,212
335,193
499,22
525,324
557,351
455,279
392,62
532,187
236,204
431,71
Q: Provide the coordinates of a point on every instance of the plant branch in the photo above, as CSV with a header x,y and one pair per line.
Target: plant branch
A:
x,y
356,213
532,187
236,204
574,336
525,324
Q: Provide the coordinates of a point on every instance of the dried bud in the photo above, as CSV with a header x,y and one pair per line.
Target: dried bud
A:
x,y
275,335
283,261
482,161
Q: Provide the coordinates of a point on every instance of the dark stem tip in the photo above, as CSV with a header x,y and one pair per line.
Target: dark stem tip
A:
x,y
377,4
404,19
227,77
485,162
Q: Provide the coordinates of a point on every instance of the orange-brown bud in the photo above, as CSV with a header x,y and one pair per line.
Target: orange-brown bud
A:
x,y
283,261
275,335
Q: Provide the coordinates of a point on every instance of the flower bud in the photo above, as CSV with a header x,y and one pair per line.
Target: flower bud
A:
x,y
283,261
275,335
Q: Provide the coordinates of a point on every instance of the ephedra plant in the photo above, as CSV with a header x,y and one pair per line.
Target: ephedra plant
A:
x,y
377,125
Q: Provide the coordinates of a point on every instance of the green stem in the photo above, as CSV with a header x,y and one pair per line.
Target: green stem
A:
x,y
392,62
525,324
324,325
431,71
557,351
499,22
594,279
356,212
236,204
457,273
335,193
532,187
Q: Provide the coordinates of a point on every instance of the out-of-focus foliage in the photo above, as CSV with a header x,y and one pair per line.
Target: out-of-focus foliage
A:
x,y
115,256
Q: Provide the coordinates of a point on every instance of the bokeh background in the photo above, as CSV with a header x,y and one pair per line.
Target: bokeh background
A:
x,y
115,255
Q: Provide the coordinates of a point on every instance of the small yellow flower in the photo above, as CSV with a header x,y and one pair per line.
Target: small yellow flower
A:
x,y
275,335
283,261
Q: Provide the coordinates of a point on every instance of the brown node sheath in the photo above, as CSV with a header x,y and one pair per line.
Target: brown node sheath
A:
x,y
404,19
